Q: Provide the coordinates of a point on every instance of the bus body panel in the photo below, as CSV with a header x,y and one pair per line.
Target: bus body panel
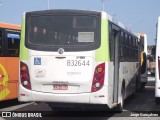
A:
x,y
10,26
128,74
9,78
51,71
24,52
12,69
103,96
3,79
9,50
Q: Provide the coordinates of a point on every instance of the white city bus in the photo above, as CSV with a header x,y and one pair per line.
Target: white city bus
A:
x,y
77,57
157,67
143,59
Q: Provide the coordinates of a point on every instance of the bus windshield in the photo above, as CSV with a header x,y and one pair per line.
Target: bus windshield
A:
x,y
71,32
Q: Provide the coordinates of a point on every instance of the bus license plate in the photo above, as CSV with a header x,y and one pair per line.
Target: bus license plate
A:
x,y
60,87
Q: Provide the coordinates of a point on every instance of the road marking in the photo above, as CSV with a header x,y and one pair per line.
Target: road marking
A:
x,y
12,108
2,118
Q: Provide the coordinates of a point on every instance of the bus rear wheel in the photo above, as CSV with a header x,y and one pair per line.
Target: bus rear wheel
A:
x,y
121,104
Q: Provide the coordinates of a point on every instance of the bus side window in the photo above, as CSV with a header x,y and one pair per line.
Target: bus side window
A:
x,y
126,47
13,46
129,49
1,50
134,47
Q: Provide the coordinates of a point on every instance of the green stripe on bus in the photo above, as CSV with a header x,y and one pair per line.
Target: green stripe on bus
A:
x,y
102,54
23,50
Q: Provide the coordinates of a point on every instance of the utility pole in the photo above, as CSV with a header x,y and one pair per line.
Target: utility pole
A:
x,y
103,1
48,4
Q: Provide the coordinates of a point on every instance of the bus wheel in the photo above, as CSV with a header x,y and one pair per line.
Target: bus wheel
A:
x,y
121,104
157,99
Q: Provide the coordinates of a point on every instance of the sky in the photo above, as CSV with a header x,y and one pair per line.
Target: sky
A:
x,y
139,15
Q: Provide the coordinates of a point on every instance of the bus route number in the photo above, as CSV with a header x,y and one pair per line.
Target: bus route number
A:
x,y
78,63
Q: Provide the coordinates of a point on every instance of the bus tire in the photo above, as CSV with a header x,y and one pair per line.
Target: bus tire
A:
x,y
137,87
157,99
121,104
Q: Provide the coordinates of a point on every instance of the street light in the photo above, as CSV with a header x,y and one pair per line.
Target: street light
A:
x,y
48,4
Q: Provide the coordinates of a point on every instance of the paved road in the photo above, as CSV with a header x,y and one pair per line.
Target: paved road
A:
x,y
141,104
